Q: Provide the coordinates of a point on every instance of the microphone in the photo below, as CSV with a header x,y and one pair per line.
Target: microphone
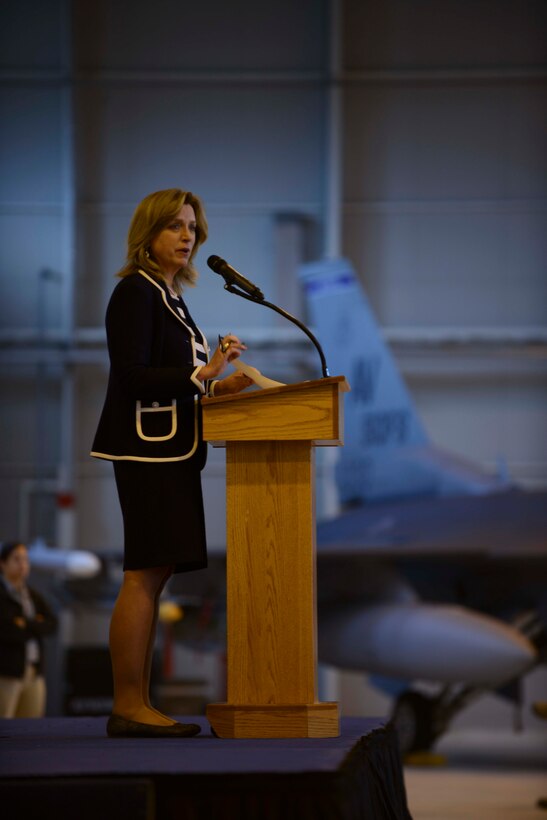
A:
x,y
232,277
247,290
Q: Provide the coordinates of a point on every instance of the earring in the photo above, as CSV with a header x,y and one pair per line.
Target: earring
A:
x,y
147,253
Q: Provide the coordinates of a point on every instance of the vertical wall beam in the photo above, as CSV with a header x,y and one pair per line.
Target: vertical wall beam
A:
x,y
334,134
66,510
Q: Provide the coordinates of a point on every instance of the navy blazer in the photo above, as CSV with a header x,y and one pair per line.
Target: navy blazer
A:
x,y
152,410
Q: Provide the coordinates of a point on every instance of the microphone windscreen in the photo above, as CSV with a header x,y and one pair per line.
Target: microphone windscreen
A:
x,y
216,263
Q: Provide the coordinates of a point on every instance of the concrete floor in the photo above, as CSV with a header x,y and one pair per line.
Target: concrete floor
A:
x,y
494,775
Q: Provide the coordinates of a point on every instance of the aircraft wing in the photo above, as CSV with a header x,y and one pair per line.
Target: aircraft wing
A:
x,y
510,524
434,588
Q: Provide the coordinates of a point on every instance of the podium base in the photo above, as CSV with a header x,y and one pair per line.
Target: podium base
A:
x,y
274,720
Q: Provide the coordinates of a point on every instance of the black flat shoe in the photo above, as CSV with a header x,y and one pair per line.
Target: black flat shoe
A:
x,y
120,727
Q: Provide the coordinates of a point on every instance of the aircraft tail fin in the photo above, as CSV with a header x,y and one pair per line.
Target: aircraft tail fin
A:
x,y
387,452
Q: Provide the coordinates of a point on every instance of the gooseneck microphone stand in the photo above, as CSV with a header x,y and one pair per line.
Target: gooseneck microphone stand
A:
x,y
232,289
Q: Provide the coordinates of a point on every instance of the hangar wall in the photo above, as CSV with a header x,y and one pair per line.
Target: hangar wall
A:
x,y
404,136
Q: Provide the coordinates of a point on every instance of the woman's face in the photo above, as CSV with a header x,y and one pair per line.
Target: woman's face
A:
x,y
16,567
172,247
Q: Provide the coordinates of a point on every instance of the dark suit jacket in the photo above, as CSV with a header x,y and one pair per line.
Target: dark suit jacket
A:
x,y
13,638
152,410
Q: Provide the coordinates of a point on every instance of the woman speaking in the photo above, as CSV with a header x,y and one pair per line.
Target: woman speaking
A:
x,y
150,428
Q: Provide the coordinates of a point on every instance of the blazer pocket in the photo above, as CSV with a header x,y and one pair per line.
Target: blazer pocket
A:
x,y
156,422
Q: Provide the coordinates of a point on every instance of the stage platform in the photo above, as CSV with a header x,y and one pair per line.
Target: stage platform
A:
x,y
67,768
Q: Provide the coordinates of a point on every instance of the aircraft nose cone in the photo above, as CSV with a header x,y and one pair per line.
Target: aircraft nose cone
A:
x,y
448,644
471,646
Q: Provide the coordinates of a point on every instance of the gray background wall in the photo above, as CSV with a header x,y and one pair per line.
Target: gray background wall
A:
x,y
407,135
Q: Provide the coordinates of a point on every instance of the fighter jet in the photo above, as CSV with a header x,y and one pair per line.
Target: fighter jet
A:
x,y
433,574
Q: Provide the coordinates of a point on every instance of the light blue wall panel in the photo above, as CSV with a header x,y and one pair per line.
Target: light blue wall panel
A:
x,y
446,201
467,268
30,145
444,142
228,145
30,242
250,154
31,206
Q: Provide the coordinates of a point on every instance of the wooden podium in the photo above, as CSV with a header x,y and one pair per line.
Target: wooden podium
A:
x,y
269,437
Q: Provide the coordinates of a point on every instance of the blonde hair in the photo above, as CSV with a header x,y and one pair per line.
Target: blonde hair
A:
x,y
151,216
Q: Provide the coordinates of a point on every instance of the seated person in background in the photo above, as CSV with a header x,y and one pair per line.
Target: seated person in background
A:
x,y
24,619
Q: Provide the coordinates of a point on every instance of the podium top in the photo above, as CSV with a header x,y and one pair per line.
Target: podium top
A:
x,y
305,411
284,388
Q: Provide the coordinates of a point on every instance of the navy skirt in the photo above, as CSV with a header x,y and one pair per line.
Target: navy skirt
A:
x,y
163,518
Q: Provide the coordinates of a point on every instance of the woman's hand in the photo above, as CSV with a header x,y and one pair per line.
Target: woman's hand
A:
x,y
234,383
229,348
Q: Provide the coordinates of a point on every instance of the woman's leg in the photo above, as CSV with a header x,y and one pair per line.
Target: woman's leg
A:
x,y
151,643
132,631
